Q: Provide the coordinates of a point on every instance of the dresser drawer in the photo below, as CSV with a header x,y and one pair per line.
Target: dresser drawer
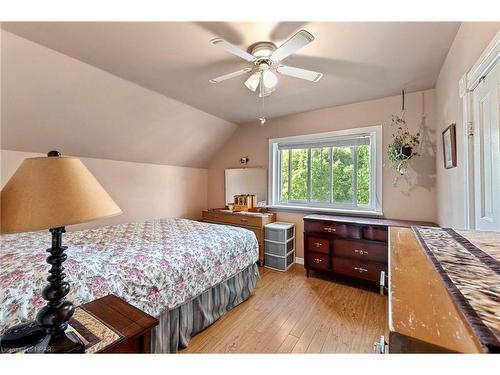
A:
x,y
212,216
375,233
318,245
318,261
360,250
243,220
355,268
338,229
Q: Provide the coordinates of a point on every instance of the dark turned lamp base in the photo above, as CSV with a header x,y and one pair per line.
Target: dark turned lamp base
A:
x,y
64,342
35,339
21,335
47,334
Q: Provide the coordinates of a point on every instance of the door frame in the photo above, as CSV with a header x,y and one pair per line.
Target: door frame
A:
x,y
467,84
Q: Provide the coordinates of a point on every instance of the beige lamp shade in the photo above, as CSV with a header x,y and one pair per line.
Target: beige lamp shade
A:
x,y
51,192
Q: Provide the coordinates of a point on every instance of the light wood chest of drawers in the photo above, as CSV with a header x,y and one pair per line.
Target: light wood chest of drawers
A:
x,y
251,221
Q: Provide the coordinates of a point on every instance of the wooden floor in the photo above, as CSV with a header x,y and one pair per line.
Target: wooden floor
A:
x,y
290,313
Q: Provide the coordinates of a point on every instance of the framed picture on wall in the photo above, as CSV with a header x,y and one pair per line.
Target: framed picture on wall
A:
x,y
450,147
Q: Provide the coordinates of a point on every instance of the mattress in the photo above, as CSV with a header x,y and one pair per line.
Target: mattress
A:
x,y
156,265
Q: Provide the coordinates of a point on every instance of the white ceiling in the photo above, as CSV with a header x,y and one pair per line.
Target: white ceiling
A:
x,y
360,61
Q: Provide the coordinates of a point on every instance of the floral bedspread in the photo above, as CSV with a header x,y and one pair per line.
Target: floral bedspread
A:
x,y
155,265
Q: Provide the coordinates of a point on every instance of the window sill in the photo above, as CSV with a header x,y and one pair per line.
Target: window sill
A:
x,y
341,211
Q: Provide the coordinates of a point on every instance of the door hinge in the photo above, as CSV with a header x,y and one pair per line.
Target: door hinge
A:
x,y
470,129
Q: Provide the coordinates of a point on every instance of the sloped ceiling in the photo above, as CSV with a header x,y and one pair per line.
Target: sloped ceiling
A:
x,y
360,60
52,101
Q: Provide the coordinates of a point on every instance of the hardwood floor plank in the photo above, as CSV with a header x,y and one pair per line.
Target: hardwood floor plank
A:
x,y
288,344
290,313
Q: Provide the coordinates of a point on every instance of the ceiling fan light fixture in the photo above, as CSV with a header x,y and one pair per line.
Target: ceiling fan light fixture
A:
x,y
253,82
269,78
262,50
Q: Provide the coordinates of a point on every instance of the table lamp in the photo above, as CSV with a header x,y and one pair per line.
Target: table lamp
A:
x,y
50,193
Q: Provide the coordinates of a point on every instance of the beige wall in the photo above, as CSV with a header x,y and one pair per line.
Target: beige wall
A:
x,y
412,198
471,39
51,100
142,191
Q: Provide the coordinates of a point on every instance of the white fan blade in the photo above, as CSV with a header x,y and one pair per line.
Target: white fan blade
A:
x,y
308,75
292,45
231,75
231,48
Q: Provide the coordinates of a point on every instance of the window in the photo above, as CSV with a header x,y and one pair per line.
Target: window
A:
x,y
329,171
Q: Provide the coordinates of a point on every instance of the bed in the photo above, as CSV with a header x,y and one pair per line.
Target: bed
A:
x,y
183,272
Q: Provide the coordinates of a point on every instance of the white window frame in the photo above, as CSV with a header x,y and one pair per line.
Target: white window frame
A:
x,y
376,156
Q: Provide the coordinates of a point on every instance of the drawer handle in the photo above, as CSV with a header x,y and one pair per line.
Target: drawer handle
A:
x,y
360,269
379,346
318,244
329,229
360,252
244,220
382,282
317,261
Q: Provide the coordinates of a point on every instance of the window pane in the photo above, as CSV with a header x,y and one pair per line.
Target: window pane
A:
x,y
299,175
320,174
284,175
343,160
364,175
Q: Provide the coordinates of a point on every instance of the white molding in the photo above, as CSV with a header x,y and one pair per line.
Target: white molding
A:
x,y
299,260
468,161
485,63
334,133
468,82
289,207
462,86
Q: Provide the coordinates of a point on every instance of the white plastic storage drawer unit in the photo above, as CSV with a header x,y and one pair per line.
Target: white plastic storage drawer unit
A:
x,y
279,232
280,245
279,263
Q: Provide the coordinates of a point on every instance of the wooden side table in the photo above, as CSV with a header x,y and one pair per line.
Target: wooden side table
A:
x,y
134,324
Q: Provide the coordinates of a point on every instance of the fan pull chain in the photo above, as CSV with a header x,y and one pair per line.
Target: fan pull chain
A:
x,y
262,119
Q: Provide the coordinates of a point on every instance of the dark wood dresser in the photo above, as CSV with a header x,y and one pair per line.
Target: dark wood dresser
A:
x,y
352,247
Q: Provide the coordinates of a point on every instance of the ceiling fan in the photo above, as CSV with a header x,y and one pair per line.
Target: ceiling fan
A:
x,y
266,59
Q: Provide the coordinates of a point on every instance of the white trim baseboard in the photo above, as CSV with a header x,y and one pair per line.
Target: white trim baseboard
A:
x,y
299,260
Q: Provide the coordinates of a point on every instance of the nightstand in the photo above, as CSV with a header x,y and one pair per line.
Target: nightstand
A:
x,y
133,324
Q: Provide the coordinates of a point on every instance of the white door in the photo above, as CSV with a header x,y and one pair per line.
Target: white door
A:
x,y
487,151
